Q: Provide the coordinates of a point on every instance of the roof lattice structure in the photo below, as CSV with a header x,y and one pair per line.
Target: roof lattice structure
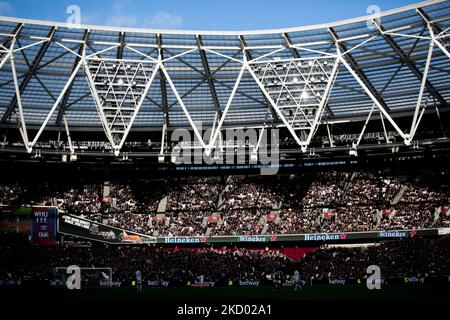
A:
x,y
394,63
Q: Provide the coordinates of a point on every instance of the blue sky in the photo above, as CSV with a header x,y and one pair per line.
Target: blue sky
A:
x,y
198,14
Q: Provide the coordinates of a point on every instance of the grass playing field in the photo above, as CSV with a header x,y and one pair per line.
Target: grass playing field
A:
x,y
317,293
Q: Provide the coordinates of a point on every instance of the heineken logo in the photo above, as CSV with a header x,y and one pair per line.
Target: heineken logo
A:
x,y
182,240
252,239
324,236
394,234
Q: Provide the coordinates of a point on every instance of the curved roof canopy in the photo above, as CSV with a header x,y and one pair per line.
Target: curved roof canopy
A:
x,y
180,77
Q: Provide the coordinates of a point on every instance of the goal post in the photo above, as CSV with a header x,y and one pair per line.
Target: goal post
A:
x,y
102,276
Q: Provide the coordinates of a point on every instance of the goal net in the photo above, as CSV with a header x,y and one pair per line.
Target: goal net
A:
x,y
89,276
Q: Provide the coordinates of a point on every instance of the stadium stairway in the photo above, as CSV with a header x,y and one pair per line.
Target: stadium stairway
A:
x,y
106,189
348,185
399,196
276,210
266,226
162,206
378,221
221,201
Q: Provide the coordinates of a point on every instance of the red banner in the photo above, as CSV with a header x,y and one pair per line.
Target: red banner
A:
x,y
159,218
213,218
328,213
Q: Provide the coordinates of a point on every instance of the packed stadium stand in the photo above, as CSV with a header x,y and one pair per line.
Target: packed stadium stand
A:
x,y
397,259
331,201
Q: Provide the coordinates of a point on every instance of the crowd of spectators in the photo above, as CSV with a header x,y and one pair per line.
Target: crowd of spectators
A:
x,y
240,222
247,195
11,193
83,199
329,201
368,188
404,258
198,195
326,190
27,262
186,223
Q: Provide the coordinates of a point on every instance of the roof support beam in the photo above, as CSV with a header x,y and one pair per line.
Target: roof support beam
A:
x,y
428,21
434,31
16,33
122,45
293,50
208,75
64,103
248,55
162,84
296,55
354,65
29,75
409,63
7,45
343,59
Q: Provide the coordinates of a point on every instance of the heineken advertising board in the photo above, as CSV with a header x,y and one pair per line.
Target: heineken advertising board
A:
x,y
84,228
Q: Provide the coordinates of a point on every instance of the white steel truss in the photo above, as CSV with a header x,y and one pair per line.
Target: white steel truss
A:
x,y
119,88
8,56
297,89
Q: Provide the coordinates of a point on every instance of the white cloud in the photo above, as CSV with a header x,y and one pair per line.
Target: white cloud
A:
x,y
91,19
125,13
122,5
123,21
6,9
119,15
164,20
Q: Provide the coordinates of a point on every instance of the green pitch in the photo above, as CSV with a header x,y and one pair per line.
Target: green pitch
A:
x,y
317,292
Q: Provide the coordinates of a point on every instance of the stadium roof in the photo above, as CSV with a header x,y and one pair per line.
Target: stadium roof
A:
x,y
386,66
